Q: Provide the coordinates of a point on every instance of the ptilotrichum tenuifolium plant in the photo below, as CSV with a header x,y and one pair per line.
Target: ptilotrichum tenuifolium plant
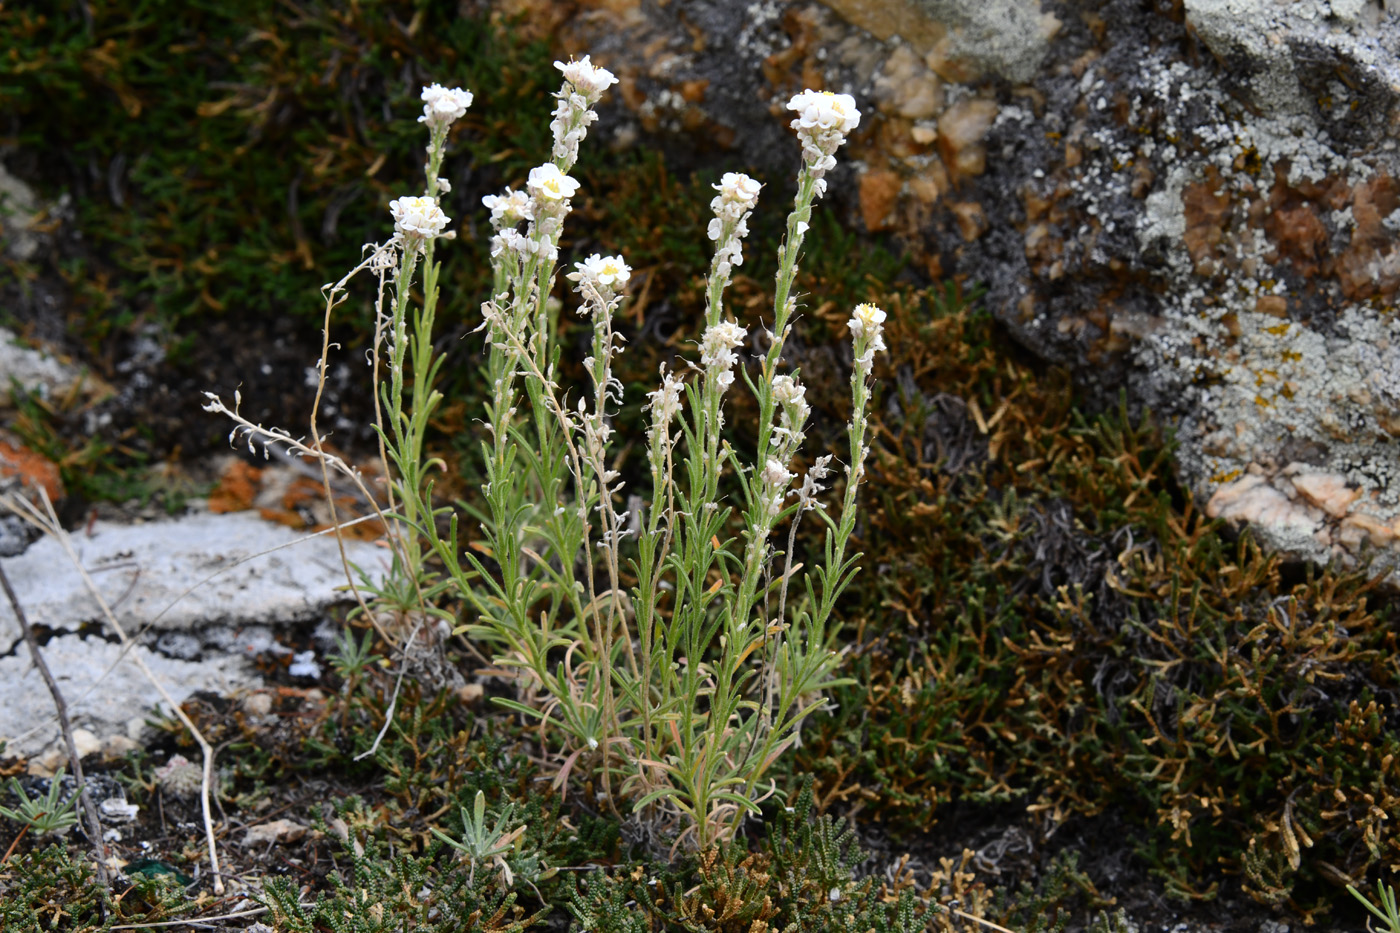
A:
x,y
679,690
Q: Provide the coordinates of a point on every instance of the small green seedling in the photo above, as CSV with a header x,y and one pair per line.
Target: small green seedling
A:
x,y
46,814
352,658
481,844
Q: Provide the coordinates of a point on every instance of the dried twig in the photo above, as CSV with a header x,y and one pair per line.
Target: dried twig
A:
x,y
48,521
194,921
94,826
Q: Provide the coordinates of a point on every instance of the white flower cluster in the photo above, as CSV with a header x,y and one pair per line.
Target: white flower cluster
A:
x,y
666,401
417,219
717,354
605,273
588,79
509,208
545,203
823,120
776,478
444,106
791,397
738,193
584,87
812,483
867,326
665,405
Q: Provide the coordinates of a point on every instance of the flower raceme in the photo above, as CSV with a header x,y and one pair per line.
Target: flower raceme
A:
x,y
417,219
823,120
823,111
609,272
867,326
444,106
717,355
584,86
738,193
509,208
588,80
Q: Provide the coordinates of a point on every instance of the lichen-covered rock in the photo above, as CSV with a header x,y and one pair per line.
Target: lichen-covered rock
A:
x,y
1196,202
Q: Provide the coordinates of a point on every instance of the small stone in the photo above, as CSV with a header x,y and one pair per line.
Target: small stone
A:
x,y
86,743
258,703
471,693
118,746
117,810
283,831
47,764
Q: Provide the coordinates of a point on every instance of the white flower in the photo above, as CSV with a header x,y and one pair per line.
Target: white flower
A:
x,y
823,110
609,269
608,272
417,217
588,79
549,184
787,390
509,208
867,325
776,475
721,340
738,189
717,352
665,402
443,106
866,318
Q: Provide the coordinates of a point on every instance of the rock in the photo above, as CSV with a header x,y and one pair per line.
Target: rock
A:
x,y
257,704
118,746
202,639
19,208
1255,501
101,687
35,371
960,133
1003,38
1327,491
265,834
117,810
201,570
86,743
878,191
